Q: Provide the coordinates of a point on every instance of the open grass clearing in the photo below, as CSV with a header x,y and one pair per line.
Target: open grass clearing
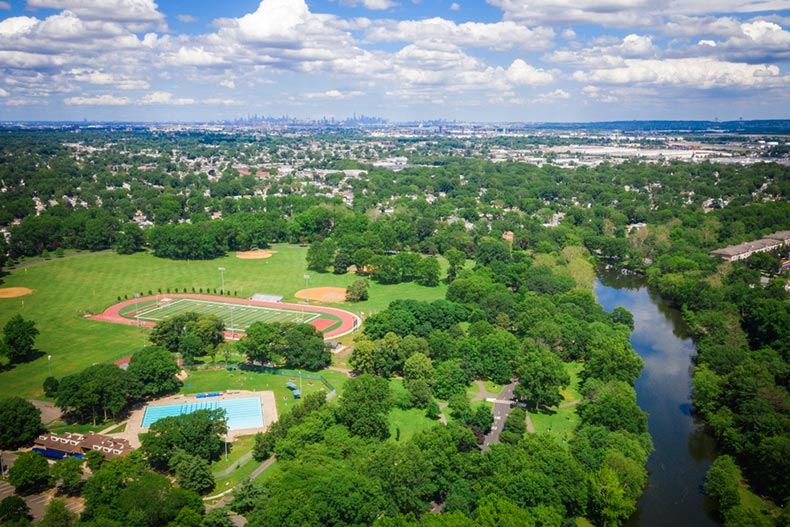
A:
x,y
408,422
560,422
572,393
237,476
239,447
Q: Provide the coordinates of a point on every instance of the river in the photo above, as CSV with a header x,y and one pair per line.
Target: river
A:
x,y
683,449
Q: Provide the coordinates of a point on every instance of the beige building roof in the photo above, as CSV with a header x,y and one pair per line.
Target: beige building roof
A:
x,y
73,443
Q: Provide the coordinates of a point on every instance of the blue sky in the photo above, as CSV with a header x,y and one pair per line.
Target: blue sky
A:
x,y
481,60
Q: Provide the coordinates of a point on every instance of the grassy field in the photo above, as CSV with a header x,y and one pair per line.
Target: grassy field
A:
x,y
66,290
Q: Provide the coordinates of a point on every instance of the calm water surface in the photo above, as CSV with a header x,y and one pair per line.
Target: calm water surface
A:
x,y
683,450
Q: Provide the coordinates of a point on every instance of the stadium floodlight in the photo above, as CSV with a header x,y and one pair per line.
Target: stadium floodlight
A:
x,y
222,275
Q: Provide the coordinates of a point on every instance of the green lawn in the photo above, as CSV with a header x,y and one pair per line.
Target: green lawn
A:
x,y
221,380
409,422
66,289
562,421
571,393
239,447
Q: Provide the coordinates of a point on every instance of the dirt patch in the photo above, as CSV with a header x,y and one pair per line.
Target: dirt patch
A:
x,y
257,254
329,295
13,292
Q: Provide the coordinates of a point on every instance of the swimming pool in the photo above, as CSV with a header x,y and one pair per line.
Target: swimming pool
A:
x,y
242,413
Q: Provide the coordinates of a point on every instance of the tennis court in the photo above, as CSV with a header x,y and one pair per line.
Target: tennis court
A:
x,y
237,317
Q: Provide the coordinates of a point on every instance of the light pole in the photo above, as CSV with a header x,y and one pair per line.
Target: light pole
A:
x,y
307,286
231,322
222,275
49,364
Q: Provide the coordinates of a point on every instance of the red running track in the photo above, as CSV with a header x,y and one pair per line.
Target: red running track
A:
x,y
349,321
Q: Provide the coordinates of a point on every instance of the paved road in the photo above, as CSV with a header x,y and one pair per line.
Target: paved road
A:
x,y
502,407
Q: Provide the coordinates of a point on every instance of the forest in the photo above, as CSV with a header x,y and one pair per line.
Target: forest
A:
x,y
521,243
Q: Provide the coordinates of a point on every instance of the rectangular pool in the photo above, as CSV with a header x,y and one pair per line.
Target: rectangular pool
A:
x,y
242,413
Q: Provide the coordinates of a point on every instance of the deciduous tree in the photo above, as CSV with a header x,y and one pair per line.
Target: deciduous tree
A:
x,y
30,473
19,337
20,423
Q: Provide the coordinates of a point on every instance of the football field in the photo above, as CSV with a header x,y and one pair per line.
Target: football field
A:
x,y
237,317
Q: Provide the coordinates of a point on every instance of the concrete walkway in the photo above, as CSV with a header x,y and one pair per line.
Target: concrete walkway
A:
x,y
503,404
483,394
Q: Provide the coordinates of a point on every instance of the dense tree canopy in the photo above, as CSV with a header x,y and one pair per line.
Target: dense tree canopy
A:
x,y
199,433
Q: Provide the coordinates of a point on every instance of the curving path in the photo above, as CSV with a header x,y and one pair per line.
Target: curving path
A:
x,y
349,321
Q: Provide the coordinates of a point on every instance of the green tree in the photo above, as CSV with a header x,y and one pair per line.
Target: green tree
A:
x,y
515,426
428,272
418,367
609,504
199,433
264,342
19,337
305,348
341,264
363,406
246,497
420,395
13,509
357,291
217,518
610,356
98,391
388,272
129,239
94,459
613,406
20,423
722,482
449,379
456,259
363,356
189,347
50,386
541,378
30,473
321,255
57,515
192,472
67,473
405,475
187,517
152,372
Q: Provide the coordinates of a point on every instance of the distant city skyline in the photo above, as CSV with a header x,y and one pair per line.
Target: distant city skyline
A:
x,y
402,60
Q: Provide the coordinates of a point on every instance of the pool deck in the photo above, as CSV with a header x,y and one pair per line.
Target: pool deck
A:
x,y
268,407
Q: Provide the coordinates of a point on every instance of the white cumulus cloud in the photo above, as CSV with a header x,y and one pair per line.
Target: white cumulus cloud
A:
x,y
522,73
98,100
699,73
163,97
500,35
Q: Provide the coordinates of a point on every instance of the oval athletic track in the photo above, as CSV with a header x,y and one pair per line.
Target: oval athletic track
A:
x,y
349,321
